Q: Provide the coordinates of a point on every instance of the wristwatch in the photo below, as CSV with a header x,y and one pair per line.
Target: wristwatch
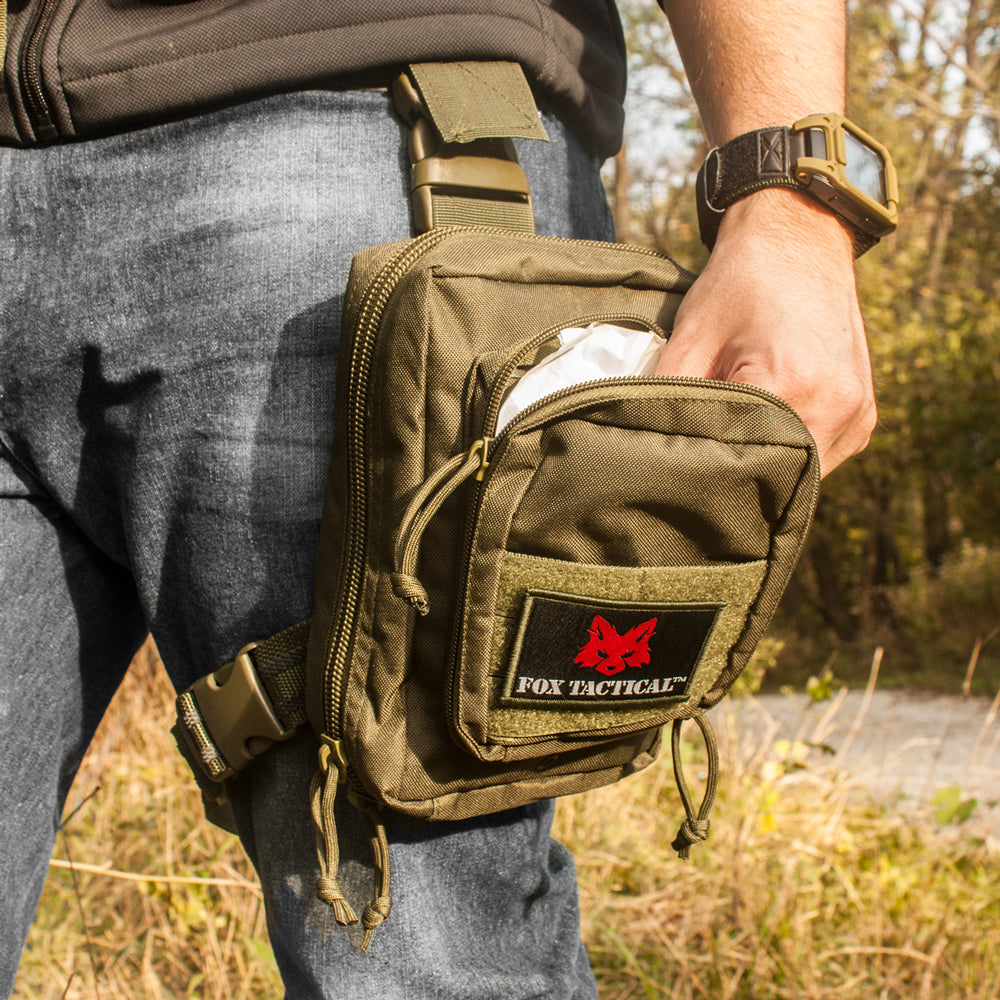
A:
x,y
826,156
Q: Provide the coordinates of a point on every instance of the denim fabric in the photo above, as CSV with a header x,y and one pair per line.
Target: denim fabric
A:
x,y
169,313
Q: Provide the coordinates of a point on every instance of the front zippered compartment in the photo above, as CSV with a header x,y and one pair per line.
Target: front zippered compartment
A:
x,y
30,65
526,421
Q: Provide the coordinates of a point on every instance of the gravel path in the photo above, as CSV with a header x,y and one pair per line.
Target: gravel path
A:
x,y
898,743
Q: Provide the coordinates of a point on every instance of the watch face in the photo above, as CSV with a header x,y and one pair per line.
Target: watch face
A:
x,y
865,169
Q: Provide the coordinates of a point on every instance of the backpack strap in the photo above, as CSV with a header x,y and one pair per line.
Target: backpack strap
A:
x,y
464,171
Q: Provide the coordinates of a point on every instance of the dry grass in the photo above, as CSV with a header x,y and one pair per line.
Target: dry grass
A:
x,y
806,891
161,904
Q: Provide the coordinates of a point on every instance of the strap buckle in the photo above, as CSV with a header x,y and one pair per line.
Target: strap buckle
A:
x,y
480,182
227,718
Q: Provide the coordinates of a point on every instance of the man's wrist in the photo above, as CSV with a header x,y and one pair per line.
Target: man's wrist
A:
x,y
789,223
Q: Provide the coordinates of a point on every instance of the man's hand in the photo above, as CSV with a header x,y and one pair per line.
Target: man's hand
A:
x,y
776,304
776,307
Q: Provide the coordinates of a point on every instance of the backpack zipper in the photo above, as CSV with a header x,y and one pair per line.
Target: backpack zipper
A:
x,y
30,59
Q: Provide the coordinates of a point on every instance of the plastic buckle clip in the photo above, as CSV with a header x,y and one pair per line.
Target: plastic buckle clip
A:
x,y
237,713
486,170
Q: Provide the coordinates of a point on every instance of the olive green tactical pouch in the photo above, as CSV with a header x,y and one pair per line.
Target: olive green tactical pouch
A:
x,y
506,616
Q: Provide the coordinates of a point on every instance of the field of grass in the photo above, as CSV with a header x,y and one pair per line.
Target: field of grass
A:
x,y
807,889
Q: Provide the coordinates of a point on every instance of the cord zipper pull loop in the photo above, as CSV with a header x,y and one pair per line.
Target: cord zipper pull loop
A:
x,y
323,793
695,828
377,910
422,507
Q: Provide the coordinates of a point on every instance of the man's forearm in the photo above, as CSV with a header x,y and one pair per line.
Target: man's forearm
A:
x,y
776,305
755,64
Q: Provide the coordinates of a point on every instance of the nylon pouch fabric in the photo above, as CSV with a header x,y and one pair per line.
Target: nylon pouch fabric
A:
x,y
506,616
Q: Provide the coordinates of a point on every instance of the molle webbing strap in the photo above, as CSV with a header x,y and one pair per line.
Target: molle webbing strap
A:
x,y
229,717
3,32
465,169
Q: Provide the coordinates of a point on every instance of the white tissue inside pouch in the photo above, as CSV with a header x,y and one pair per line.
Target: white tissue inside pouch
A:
x,y
585,354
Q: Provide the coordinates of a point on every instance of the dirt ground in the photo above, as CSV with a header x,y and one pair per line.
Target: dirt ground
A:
x,y
899,745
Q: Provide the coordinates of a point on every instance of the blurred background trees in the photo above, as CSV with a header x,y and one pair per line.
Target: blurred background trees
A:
x,y
906,548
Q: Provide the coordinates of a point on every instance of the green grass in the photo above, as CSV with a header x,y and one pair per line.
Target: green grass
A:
x,y
807,889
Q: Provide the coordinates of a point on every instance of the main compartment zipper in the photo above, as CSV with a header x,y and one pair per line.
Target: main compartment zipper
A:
x,y
30,63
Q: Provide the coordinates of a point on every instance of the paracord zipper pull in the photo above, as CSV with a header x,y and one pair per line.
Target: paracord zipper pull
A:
x,y
323,793
695,828
377,910
425,504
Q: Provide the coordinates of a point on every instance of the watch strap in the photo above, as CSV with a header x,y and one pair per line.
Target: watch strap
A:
x,y
763,158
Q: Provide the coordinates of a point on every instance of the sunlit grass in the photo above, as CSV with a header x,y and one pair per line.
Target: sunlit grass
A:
x,y
807,889
194,924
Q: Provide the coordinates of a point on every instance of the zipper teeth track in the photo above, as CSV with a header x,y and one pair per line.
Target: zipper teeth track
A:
x,y
342,625
340,637
30,58
678,380
497,392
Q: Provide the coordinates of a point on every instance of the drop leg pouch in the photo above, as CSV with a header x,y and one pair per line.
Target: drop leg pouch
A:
x,y
507,615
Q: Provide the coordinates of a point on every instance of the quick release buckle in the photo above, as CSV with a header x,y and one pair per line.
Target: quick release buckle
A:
x,y
461,182
236,714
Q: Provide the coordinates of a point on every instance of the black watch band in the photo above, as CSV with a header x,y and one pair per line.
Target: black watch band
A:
x,y
764,158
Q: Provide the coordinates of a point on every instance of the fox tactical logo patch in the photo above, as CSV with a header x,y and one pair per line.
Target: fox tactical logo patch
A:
x,y
610,653
586,650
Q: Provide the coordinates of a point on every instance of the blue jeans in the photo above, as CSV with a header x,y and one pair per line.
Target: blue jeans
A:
x,y
169,313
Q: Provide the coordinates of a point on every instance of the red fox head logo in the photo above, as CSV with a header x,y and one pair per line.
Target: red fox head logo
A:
x,y
610,653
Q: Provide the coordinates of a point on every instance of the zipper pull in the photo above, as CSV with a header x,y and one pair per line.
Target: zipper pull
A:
x,y
323,793
696,826
481,451
425,504
378,908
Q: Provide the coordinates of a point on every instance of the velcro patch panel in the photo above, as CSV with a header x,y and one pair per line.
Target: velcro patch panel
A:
x,y
584,650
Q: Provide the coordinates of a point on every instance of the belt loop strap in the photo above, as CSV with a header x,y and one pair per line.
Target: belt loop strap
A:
x,y
478,100
464,168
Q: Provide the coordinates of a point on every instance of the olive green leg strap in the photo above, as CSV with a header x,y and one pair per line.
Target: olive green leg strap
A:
x,y
229,717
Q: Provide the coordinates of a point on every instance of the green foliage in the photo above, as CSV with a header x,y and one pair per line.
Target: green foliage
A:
x,y
952,808
820,688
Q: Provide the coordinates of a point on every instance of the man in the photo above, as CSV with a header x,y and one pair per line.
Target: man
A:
x,y
170,301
